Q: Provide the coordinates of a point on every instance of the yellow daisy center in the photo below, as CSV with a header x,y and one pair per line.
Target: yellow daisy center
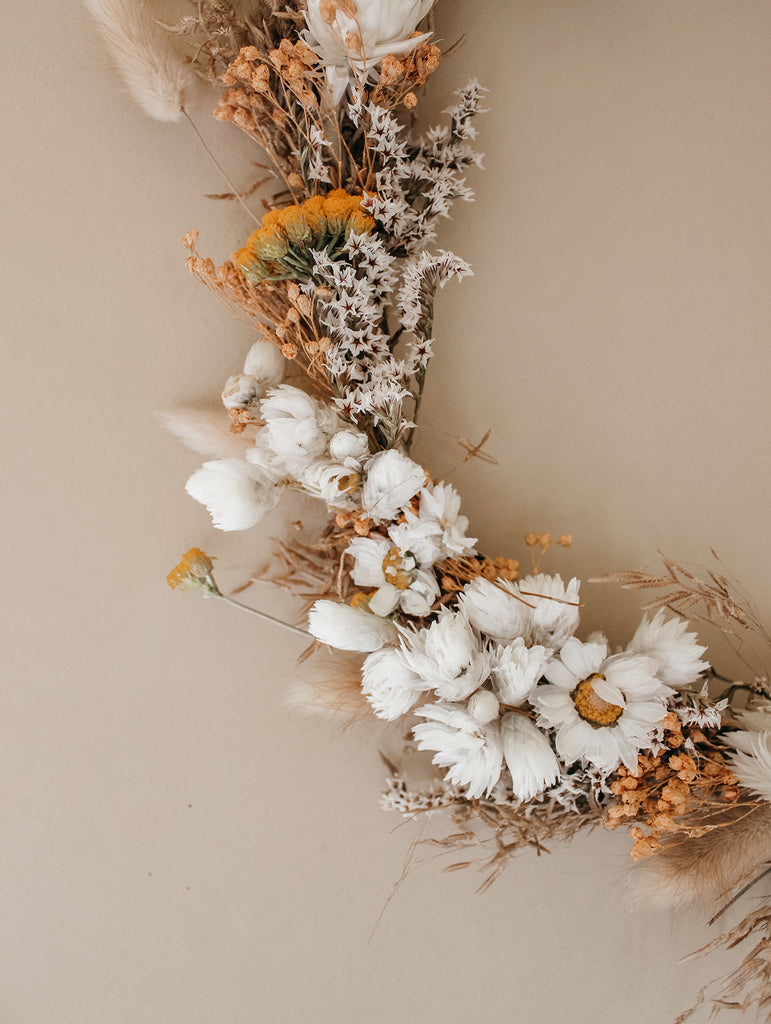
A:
x,y
591,708
396,572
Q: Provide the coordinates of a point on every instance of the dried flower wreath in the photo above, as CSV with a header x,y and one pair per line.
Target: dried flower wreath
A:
x,y
541,733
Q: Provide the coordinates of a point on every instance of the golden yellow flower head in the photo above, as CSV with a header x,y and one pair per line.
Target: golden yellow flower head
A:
x,y
194,572
282,248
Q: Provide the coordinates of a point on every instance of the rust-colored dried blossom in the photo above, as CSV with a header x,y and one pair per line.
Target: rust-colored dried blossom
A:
x,y
401,75
678,793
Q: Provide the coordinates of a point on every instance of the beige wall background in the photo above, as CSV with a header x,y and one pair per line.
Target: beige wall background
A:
x,y
177,844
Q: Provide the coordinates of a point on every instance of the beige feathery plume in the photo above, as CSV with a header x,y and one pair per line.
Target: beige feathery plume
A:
x,y
709,869
207,432
152,68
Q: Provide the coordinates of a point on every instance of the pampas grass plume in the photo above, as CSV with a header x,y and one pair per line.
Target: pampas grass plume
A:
x,y
147,58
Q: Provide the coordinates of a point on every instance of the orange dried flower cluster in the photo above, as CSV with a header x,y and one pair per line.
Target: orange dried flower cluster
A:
x,y
282,247
257,100
674,792
399,76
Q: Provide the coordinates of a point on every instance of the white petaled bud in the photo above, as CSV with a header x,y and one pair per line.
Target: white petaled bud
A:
x,y
236,494
349,629
239,391
266,364
349,444
483,706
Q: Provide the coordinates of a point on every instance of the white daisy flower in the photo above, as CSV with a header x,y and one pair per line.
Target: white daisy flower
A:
x,y
349,629
390,684
400,580
752,760
529,757
605,710
516,668
472,752
236,493
391,483
673,646
351,45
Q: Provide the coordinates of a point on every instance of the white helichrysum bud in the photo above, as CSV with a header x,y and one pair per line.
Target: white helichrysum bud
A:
x,y
516,669
236,493
239,391
483,706
349,444
349,629
529,756
266,364
392,481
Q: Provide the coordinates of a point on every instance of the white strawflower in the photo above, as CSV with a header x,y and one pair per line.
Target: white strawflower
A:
x,y
516,668
349,629
554,614
605,710
389,684
752,761
400,580
333,483
449,656
495,609
236,493
350,447
472,752
265,363
529,757
297,427
437,530
676,650
392,481
352,37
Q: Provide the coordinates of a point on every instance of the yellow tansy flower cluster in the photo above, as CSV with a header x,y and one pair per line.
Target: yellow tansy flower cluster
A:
x,y
282,248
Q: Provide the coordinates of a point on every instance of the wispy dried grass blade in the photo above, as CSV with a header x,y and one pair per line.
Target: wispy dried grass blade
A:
x,y
712,599
148,59
748,987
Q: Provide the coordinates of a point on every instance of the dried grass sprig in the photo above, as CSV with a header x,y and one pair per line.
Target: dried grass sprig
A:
x,y
713,599
748,986
277,309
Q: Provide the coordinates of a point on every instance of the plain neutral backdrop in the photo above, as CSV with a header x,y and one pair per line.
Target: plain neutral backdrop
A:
x,y
179,846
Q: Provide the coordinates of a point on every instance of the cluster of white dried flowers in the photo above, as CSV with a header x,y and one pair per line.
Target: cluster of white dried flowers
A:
x,y
494,680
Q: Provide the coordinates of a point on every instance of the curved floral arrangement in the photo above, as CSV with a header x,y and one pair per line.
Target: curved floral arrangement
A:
x,y
538,733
